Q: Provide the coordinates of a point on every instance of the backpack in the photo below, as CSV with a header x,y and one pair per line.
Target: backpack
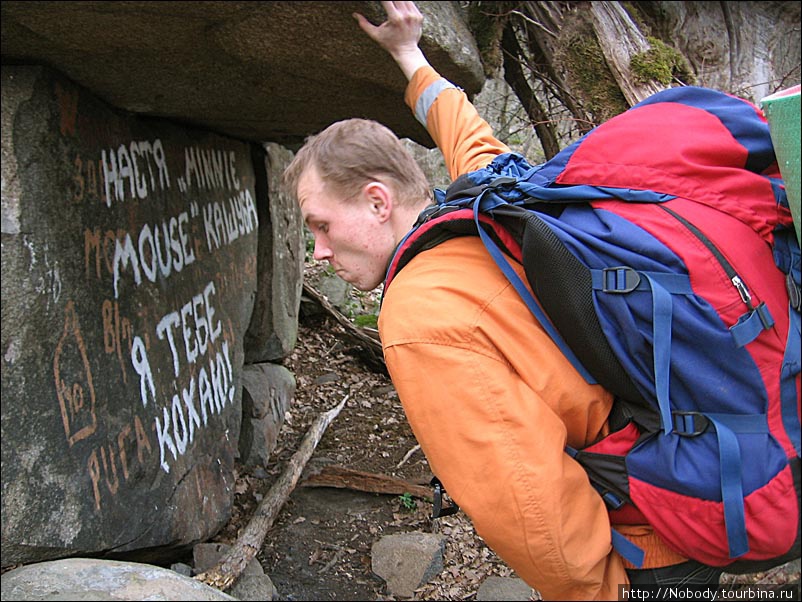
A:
x,y
661,251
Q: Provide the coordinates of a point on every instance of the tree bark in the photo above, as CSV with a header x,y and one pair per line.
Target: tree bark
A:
x,y
226,572
573,59
620,40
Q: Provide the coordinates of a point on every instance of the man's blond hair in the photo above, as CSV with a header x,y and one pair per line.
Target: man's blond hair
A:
x,y
348,154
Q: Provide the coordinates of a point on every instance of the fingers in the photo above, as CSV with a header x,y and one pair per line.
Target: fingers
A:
x,y
398,14
366,25
399,34
390,9
400,10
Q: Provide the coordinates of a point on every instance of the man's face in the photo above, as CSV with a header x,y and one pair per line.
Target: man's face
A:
x,y
352,234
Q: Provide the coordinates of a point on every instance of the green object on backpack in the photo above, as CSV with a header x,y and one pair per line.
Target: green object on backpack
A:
x,y
782,112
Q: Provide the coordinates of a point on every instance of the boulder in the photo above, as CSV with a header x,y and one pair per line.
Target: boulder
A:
x,y
506,589
261,71
91,579
129,274
267,394
273,330
407,561
148,253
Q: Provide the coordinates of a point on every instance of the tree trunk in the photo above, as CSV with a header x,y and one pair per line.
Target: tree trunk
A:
x,y
570,63
620,41
516,78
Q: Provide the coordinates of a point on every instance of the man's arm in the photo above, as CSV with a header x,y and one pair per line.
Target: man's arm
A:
x,y
465,139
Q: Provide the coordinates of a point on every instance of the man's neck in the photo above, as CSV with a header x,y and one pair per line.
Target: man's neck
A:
x,y
407,218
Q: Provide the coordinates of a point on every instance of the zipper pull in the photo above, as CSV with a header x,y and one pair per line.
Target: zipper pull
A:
x,y
742,291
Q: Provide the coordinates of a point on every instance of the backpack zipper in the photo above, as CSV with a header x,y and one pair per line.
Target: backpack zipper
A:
x,y
736,280
742,290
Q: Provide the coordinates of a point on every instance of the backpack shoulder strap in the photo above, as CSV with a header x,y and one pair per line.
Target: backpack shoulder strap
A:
x,y
437,224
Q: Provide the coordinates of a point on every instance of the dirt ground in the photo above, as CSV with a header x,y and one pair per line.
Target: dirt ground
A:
x,y
319,547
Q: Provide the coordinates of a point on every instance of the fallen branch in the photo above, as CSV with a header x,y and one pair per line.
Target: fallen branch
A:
x,y
366,339
371,482
223,575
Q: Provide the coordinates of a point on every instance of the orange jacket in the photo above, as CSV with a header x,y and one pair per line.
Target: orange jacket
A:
x,y
491,399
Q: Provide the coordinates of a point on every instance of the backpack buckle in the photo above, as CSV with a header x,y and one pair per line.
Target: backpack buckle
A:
x,y
431,212
794,292
620,279
438,509
689,424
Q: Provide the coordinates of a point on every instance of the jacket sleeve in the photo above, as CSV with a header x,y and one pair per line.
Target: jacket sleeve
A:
x,y
463,137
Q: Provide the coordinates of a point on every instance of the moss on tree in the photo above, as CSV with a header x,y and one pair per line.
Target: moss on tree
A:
x,y
662,64
582,60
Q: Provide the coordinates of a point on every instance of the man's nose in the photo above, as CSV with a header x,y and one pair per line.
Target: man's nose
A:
x,y
322,251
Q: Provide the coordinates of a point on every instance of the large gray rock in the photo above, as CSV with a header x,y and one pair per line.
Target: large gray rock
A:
x,y
130,257
252,583
407,560
506,589
267,393
280,258
89,579
263,71
129,275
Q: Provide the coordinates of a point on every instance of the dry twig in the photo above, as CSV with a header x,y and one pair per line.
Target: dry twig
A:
x,y
408,455
365,339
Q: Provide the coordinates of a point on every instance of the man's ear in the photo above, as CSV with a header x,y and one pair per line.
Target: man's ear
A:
x,y
380,198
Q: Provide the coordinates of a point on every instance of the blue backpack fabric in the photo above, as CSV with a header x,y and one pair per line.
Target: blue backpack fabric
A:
x,y
664,264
